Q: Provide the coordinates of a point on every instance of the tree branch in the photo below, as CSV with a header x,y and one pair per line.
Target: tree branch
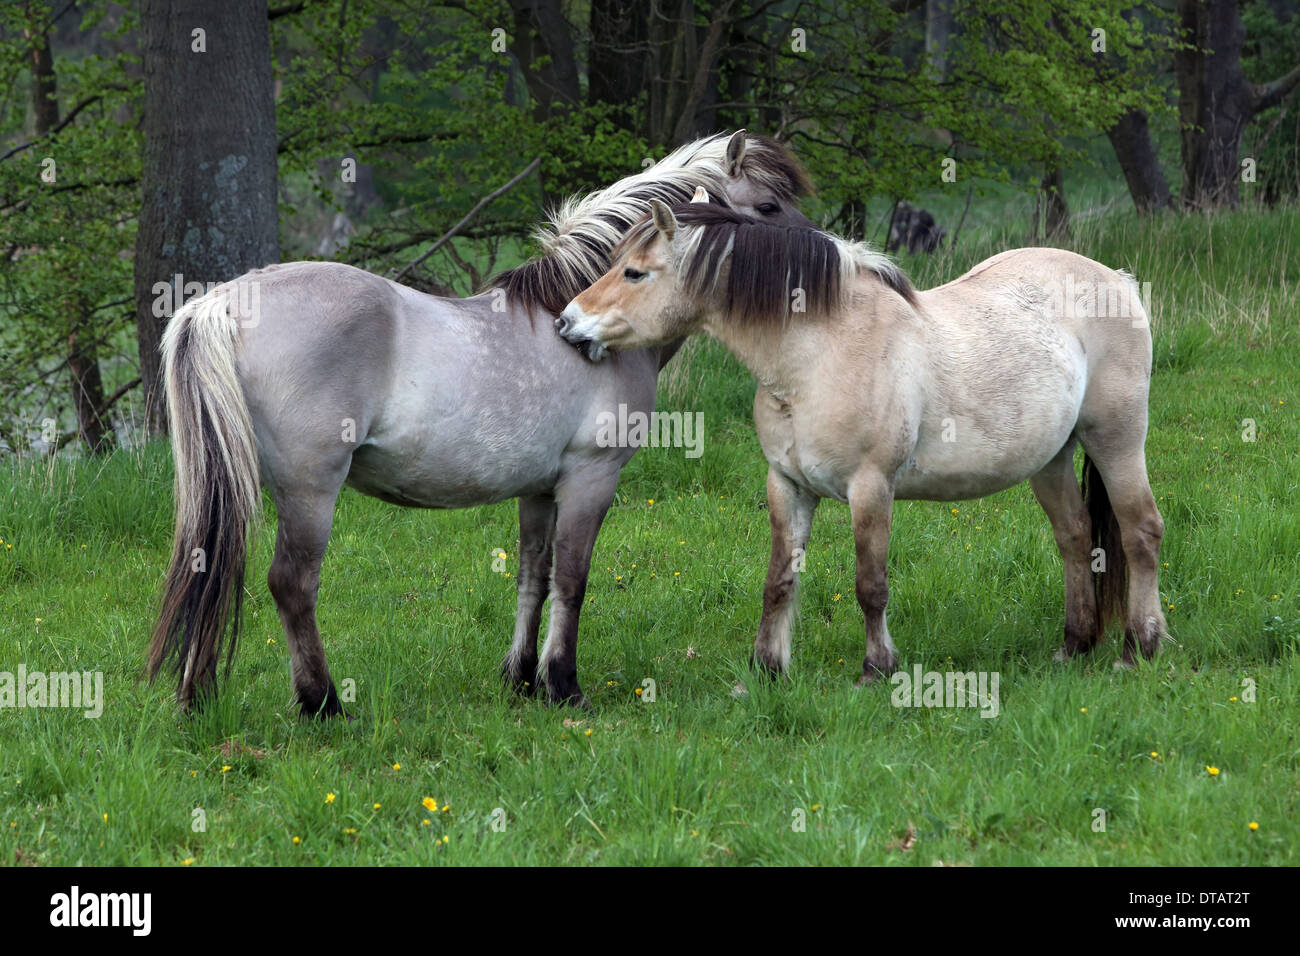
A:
x,y
1264,95
468,216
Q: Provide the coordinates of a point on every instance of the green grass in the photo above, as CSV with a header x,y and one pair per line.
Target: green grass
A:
x,y
413,612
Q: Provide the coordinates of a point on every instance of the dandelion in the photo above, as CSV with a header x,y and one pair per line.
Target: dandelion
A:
x,y
445,839
637,692
677,574
194,773
1274,598
816,807
447,808
397,766
329,798
430,804
1254,825
836,598
189,859
350,831
1240,591
588,732
955,511
1154,755
1083,710
225,768
376,806
1212,771
1232,700
649,501
106,818
425,822
297,840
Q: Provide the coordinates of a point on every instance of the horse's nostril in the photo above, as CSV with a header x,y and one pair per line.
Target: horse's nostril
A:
x,y
562,325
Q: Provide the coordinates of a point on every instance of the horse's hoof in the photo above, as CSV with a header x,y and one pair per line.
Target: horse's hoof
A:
x,y
872,673
1124,664
320,706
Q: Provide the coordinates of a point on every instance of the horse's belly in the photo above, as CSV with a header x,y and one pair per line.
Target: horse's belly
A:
x,y
945,467
452,474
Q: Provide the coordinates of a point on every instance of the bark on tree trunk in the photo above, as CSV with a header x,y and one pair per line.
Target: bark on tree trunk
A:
x,y
1131,139
209,205
619,53
1214,101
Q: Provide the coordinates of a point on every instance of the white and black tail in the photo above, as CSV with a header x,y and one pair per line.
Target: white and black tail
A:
x,y
217,494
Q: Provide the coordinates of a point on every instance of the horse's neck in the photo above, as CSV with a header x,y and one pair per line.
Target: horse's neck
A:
x,y
780,354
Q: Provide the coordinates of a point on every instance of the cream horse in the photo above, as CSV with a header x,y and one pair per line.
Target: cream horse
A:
x,y
869,391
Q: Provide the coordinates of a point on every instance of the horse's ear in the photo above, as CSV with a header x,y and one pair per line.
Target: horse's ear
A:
x,y
665,221
701,195
736,152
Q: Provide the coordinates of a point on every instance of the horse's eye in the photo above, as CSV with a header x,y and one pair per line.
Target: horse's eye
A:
x,y
769,209
633,275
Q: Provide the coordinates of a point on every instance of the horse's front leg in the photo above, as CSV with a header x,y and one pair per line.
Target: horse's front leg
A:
x,y
871,503
536,545
581,502
790,509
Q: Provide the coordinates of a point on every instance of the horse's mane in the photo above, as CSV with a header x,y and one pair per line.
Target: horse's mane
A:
x,y
768,262
578,241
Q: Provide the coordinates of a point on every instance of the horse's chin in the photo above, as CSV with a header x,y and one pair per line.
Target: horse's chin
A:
x,y
591,350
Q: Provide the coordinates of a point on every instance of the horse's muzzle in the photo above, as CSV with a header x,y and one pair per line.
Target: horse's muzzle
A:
x,y
590,349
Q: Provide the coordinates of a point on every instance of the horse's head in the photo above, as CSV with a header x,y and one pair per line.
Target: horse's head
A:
x,y
641,301
764,180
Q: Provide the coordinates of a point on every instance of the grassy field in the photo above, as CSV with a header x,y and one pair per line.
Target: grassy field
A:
x,y
415,614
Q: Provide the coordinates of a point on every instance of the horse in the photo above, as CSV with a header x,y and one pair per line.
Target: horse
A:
x,y
870,391
307,376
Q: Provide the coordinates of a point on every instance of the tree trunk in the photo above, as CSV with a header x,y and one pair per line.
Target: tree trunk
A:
x,y
1056,212
618,61
1131,138
209,205
1214,101
938,28
82,356
542,41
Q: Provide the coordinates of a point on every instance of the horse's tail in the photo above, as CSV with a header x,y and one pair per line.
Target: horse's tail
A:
x,y
1110,584
217,494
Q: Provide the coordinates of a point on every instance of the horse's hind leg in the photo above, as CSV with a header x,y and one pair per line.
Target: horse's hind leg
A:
x,y
1057,490
1141,531
294,578
536,548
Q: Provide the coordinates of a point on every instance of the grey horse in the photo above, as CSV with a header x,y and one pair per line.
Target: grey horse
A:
x,y
310,375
